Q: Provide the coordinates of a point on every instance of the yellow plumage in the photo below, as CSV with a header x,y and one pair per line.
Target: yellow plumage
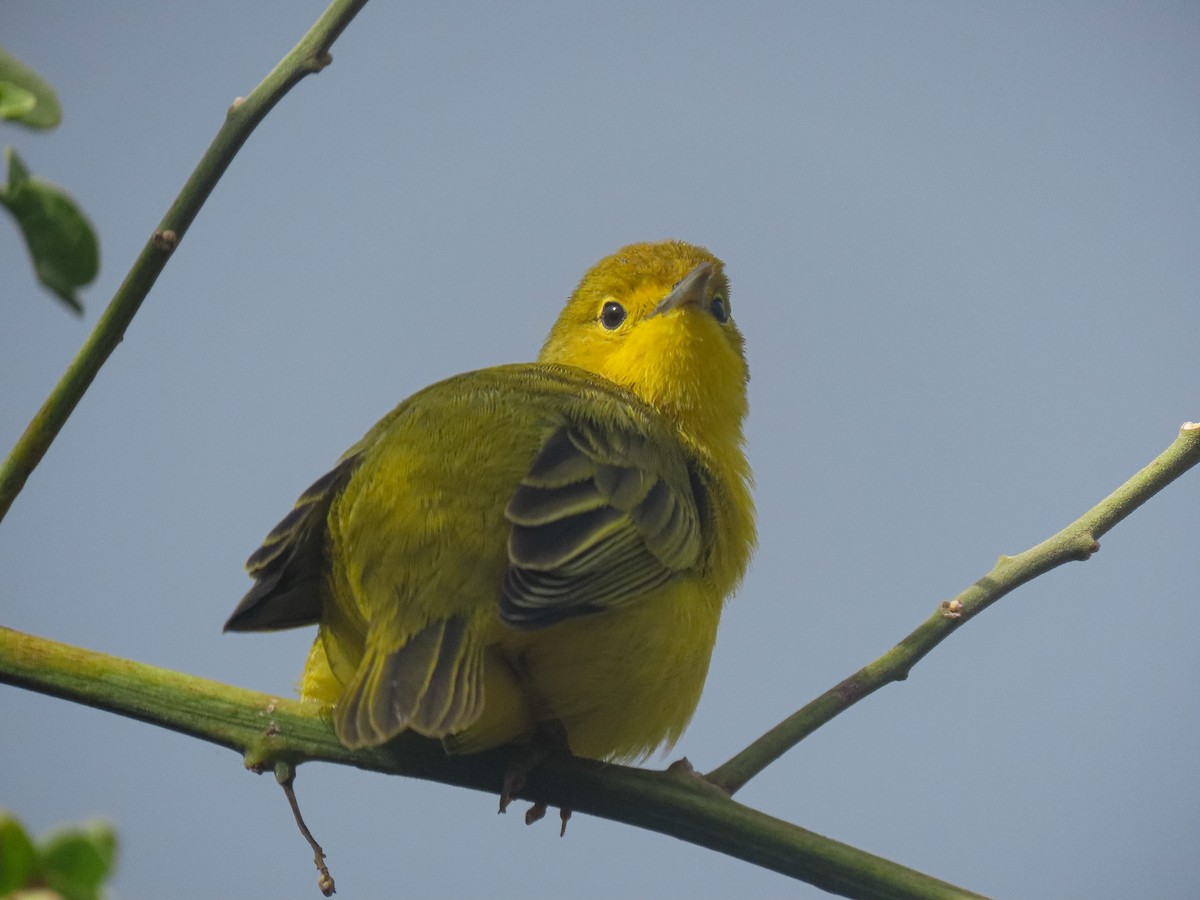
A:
x,y
539,543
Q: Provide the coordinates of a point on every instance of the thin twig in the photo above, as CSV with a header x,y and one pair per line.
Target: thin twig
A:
x,y
310,55
285,774
1078,541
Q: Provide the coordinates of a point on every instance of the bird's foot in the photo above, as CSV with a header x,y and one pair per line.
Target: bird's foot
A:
x,y
549,738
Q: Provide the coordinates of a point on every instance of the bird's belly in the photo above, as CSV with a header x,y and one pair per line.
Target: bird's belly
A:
x,y
621,682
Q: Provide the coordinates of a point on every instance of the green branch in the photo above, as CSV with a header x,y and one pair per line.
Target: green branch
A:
x,y
1078,541
310,55
270,730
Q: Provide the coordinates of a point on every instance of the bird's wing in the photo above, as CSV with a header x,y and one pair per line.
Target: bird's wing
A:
x,y
290,568
605,514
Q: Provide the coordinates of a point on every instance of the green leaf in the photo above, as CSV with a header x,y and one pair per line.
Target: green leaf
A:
x,y
61,242
18,859
15,101
76,862
17,80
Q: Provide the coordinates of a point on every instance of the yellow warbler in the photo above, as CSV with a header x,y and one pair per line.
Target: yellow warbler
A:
x,y
544,544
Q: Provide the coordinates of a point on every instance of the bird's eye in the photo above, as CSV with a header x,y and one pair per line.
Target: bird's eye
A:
x,y
612,314
719,310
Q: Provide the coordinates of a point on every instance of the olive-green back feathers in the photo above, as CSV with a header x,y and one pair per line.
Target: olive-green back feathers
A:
x,y
608,510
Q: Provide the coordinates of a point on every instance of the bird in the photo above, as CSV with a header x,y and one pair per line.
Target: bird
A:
x,y
539,547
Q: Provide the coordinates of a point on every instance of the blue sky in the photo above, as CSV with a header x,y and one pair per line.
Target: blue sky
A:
x,y
963,247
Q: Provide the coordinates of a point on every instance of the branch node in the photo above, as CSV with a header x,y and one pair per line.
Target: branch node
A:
x,y
1087,546
165,240
684,773
952,609
316,63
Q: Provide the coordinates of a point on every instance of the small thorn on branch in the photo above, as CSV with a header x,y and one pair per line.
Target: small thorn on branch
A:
x,y
319,62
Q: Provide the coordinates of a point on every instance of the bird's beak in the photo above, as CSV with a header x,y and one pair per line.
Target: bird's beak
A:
x,y
688,291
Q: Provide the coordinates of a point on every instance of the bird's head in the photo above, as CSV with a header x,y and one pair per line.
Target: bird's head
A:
x,y
655,318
